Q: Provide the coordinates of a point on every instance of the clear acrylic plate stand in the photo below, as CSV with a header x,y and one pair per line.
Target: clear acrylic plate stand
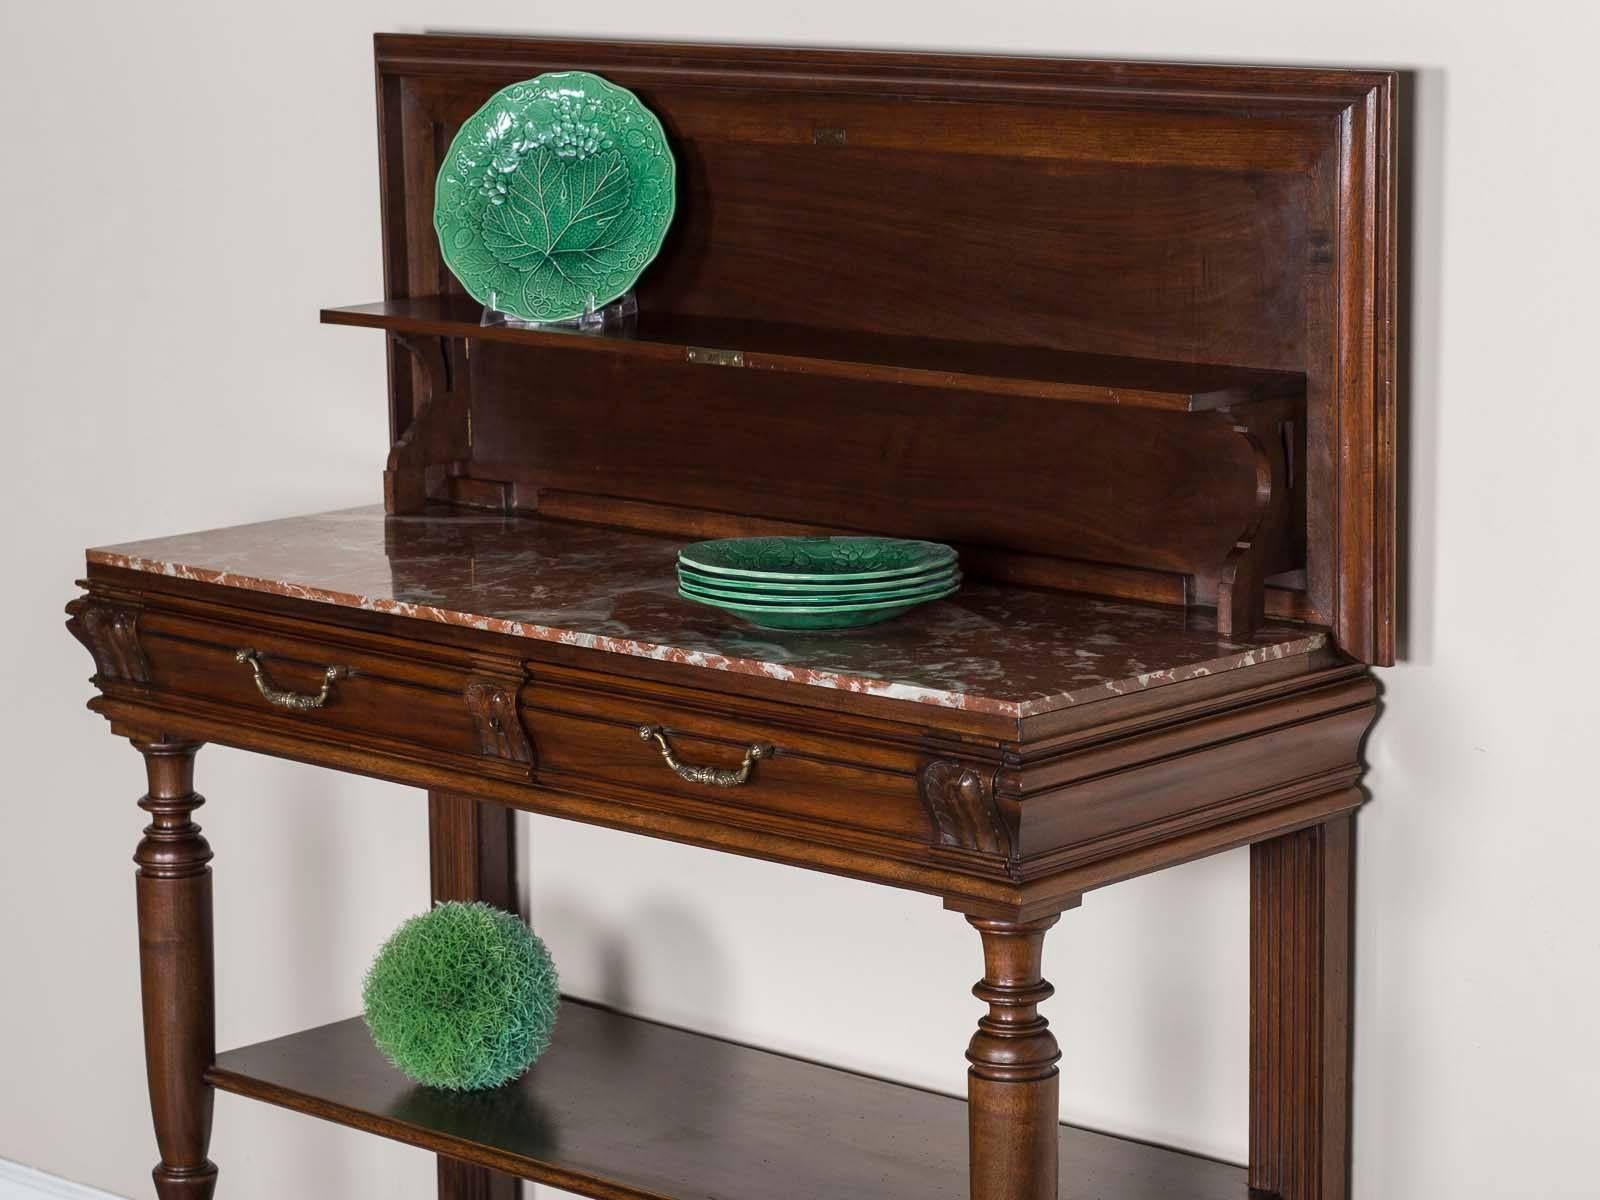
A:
x,y
620,316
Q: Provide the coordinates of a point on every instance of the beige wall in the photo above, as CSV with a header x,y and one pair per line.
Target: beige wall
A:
x,y
183,186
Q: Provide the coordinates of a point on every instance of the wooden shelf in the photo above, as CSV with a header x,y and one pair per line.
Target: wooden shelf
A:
x,y
628,1109
1028,371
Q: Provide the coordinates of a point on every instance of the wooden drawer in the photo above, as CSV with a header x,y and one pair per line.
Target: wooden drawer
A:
x,y
422,704
586,731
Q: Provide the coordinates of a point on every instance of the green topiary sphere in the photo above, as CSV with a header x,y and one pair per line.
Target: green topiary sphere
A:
x,y
462,997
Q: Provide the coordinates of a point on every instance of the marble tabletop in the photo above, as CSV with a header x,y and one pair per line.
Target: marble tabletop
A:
x,y
1002,650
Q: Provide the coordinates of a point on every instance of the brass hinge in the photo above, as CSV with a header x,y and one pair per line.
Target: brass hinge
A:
x,y
714,358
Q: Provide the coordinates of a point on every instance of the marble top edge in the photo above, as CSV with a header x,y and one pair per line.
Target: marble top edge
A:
x,y
974,683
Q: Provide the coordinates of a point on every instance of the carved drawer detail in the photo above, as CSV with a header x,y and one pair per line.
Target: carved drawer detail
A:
x,y
961,803
500,731
111,633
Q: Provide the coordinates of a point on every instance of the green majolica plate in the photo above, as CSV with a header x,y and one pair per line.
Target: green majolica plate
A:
x,y
555,196
918,588
811,617
832,584
799,559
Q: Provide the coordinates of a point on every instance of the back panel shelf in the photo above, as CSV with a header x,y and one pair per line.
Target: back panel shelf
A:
x,y
1153,481
1107,327
1003,370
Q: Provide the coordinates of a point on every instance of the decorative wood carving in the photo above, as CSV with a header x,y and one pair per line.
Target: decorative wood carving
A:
x,y
961,803
1272,540
111,634
421,457
1241,586
500,731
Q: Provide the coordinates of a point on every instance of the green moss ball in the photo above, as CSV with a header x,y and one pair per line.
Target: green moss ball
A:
x,y
463,997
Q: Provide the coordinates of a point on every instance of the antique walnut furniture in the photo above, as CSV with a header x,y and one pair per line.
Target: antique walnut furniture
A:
x,y
1123,333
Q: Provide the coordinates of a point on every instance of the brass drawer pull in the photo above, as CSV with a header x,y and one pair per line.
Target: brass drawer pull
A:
x,y
293,701
710,776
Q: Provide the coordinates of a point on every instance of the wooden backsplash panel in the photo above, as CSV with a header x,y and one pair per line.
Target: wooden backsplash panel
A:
x,y
1074,481
1216,214
1052,233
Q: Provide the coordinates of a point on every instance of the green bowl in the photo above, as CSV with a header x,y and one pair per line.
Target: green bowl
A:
x,y
798,617
882,593
800,593
816,559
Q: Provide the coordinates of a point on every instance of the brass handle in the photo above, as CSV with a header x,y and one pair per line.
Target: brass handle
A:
x,y
710,776
293,701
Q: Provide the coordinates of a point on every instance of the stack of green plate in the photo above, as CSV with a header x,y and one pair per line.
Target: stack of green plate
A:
x,y
816,583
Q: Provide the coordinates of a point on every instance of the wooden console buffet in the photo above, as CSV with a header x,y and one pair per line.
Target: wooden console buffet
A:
x,y
1121,332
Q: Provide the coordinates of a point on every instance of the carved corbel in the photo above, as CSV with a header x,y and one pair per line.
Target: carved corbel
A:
x,y
961,804
1274,539
110,632
500,731
420,461
1242,583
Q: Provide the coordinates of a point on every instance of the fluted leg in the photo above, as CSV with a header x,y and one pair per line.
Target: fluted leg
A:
x,y
1012,1084
1301,887
175,968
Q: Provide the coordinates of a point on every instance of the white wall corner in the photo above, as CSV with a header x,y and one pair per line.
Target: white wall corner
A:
x,y
18,1182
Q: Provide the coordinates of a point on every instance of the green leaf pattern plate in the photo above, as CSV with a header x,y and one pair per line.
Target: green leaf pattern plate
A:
x,y
802,559
802,617
818,582
555,196
919,591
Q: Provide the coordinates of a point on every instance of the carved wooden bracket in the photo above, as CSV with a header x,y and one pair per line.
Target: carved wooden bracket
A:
x,y
111,634
437,438
1274,539
961,803
1242,585
500,731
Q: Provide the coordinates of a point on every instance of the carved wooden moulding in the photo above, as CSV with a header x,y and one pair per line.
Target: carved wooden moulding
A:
x,y
436,439
500,732
960,802
111,634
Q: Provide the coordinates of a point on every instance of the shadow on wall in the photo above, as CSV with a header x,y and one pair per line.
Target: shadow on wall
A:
x,y
682,967
1419,308
659,949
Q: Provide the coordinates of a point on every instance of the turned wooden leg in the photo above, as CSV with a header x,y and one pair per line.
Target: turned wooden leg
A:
x,y
1301,888
1012,1084
472,856
175,968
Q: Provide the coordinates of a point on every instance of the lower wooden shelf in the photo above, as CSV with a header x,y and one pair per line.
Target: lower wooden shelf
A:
x,y
627,1109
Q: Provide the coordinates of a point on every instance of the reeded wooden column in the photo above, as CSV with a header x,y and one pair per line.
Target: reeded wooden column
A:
x,y
1301,888
1013,1085
176,972
472,856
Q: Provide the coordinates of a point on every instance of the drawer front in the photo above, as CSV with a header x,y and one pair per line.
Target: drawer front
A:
x,y
402,702
853,781
588,738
